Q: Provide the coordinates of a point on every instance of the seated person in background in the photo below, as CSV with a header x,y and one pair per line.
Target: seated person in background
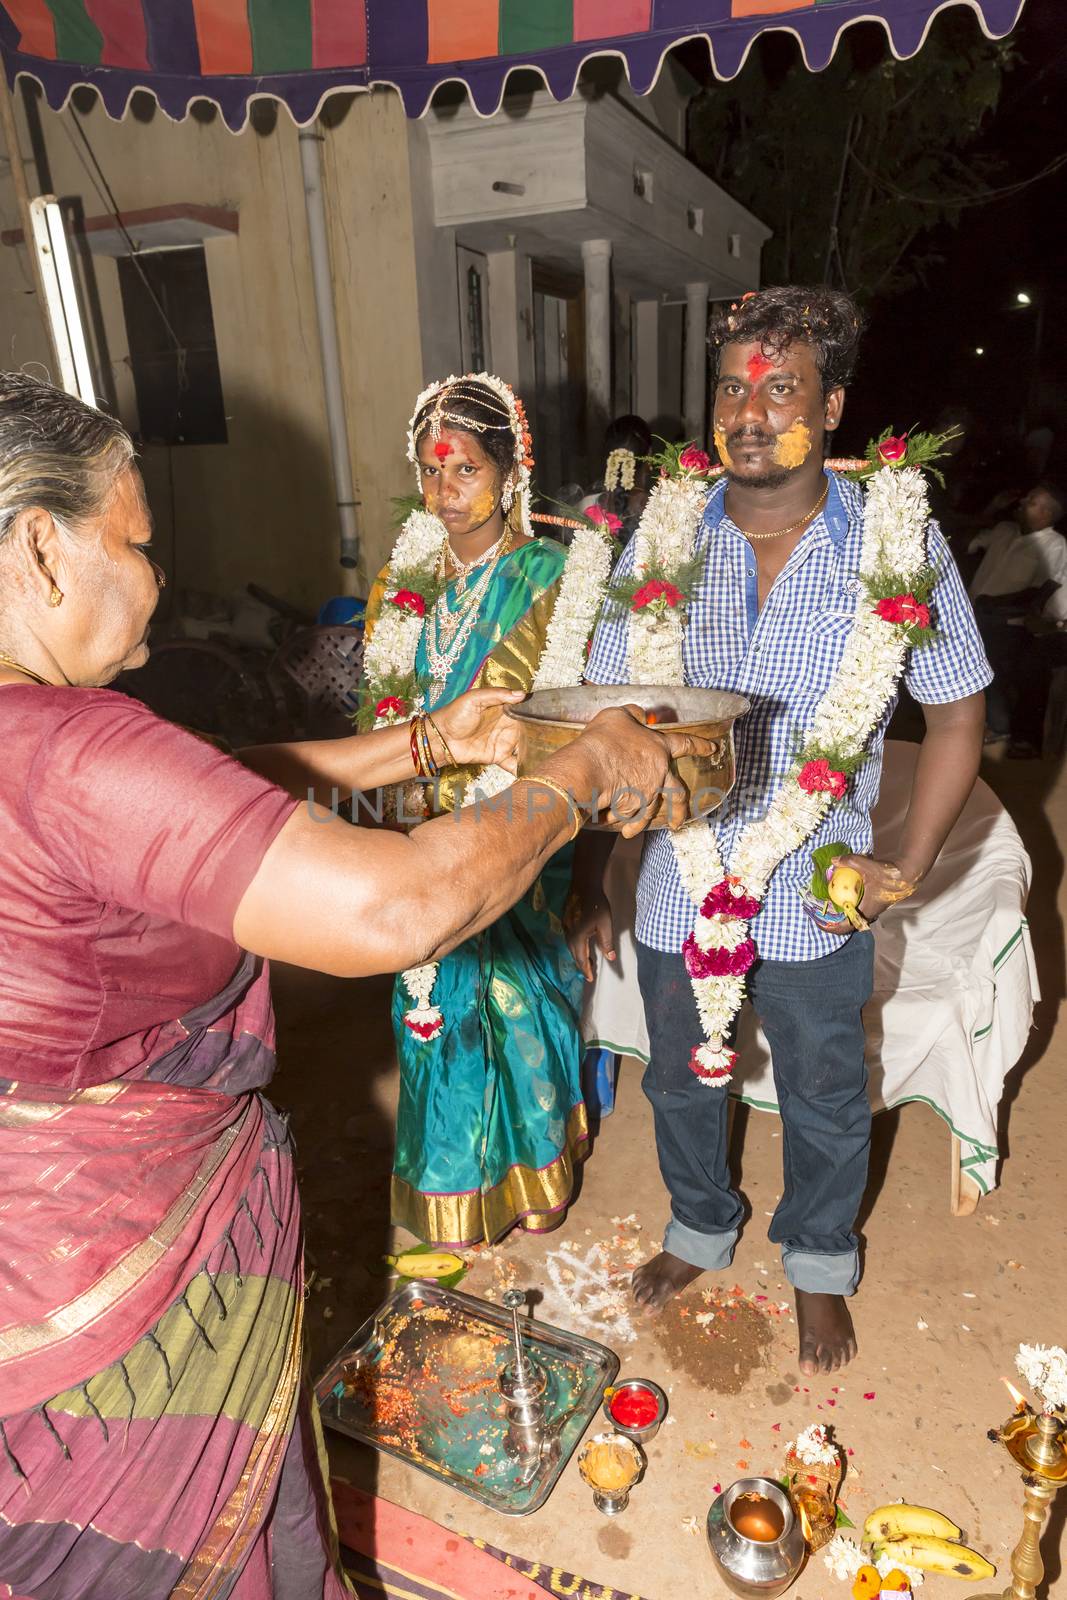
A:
x,y
1022,574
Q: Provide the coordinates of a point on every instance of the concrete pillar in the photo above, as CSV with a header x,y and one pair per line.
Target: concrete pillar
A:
x,y
646,355
596,260
696,362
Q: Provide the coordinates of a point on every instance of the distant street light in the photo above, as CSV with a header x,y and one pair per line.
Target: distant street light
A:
x,y
979,350
1023,299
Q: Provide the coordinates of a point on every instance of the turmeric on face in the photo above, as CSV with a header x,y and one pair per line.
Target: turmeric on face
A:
x,y
792,448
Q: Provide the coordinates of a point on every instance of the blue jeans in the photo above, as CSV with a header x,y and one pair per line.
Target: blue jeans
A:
x,y
811,1014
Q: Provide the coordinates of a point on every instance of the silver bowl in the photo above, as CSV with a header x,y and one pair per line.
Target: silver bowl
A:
x,y
753,1567
650,1430
549,719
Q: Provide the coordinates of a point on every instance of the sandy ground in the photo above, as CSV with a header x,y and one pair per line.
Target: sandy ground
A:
x,y
942,1307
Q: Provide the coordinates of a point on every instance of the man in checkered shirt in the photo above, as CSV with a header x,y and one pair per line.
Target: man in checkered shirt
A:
x,y
768,620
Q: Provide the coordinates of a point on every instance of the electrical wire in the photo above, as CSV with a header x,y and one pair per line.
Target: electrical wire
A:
x,y
104,190
947,203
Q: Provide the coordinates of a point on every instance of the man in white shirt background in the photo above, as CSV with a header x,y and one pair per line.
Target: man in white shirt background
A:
x,y
1022,575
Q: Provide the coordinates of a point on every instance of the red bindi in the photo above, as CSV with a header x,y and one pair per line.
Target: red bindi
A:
x,y
442,449
757,365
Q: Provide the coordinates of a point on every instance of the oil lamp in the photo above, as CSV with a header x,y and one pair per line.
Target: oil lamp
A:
x,y
1037,1443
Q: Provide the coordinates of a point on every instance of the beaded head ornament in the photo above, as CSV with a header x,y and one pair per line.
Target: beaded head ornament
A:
x,y
502,409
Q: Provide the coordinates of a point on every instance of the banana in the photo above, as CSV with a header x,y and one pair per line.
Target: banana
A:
x,y
902,1521
846,891
932,1554
433,1264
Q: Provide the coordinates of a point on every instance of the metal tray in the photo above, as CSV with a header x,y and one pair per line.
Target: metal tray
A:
x,y
419,1381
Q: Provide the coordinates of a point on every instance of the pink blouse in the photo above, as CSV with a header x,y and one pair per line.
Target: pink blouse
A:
x,y
126,846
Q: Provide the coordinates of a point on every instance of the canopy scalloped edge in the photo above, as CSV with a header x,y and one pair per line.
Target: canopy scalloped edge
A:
x,y
818,32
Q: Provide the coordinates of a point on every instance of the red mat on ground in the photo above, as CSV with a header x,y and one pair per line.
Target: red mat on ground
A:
x,y
392,1552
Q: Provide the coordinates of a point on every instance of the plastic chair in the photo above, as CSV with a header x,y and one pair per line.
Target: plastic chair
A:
x,y
325,663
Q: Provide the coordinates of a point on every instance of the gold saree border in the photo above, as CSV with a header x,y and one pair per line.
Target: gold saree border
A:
x,y
523,1194
209,1571
73,1318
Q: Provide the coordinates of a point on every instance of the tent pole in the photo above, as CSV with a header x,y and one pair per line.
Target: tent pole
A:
x,y
22,196
344,490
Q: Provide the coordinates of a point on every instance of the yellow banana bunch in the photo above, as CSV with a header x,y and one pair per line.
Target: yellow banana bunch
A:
x,y
431,1264
936,1555
845,889
915,1536
903,1521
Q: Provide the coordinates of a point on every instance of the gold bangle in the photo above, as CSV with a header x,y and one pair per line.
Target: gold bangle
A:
x,y
572,804
451,758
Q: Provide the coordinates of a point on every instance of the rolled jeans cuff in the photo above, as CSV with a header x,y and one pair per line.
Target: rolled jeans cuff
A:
x,y
708,1251
816,1273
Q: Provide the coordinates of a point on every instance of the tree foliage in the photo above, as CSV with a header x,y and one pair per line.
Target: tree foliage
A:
x,y
839,163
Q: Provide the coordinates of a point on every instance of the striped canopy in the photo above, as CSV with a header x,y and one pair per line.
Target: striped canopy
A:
x,y
299,51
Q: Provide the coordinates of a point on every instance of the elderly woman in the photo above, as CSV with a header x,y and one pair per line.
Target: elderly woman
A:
x,y
154,1436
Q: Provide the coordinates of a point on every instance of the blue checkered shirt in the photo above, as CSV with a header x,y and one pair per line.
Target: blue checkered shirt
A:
x,y
782,658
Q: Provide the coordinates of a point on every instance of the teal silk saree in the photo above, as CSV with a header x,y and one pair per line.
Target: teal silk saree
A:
x,y
491,1120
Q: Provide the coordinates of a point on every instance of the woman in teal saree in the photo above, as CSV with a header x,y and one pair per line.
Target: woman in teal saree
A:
x,y
490,1122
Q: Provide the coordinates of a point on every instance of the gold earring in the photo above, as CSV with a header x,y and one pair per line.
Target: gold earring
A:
x,y
56,597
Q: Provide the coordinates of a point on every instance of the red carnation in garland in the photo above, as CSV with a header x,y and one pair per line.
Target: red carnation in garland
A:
x,y
656,589
893,449
408,600
391,706
905,609
720,962
818,777
424,1030
728,900
712,1075
694,460
605,519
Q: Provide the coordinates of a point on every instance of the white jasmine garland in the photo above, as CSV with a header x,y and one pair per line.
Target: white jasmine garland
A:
x,y
390,661
619,470
814,1448
581,593
664,540
896,514
1044,1368
844,1558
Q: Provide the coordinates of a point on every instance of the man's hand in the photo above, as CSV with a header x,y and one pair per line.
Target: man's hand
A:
x,y
885,883
1040,627
477,734
587,922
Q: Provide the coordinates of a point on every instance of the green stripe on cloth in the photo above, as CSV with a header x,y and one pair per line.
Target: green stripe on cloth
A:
x,y
281,35
1009,947
526,29
77,36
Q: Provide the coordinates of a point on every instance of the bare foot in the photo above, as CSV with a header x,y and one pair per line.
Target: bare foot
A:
x,y
827,1337
654,1283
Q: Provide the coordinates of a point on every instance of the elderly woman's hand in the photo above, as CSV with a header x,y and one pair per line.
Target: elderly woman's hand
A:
x,y
475,731
633,781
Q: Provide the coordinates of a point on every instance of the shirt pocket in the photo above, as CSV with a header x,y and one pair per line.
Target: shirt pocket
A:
x,y
825,636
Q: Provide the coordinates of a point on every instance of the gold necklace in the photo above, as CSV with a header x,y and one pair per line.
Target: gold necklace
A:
x,y
9,661
464,568
780,533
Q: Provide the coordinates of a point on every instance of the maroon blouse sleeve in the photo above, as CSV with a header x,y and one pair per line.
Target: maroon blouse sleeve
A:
x,y
137,812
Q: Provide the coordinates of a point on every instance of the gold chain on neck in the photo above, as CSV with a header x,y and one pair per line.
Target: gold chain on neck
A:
x,y
780,533
9,661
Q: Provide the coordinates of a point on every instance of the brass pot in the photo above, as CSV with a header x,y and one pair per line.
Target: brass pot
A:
x,y
551,718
